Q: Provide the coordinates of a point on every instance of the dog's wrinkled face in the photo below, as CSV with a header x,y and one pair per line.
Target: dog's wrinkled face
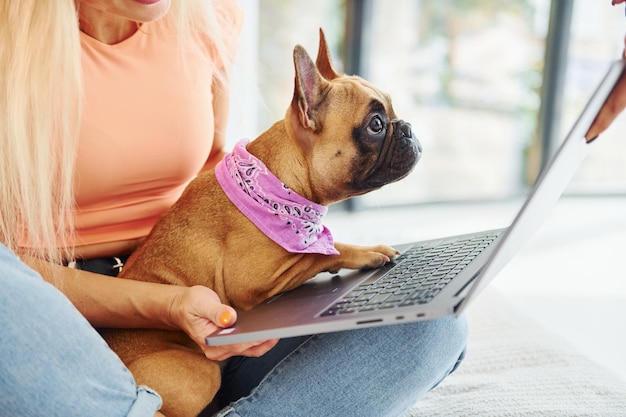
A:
x,y
353,141
387,148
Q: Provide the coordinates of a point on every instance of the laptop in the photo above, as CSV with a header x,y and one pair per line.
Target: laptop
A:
x,y
430,279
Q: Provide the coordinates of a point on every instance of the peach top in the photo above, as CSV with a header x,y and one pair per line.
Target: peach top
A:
x,y
143,137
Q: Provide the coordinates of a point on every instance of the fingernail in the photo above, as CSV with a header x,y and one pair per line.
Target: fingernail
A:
x,y
225,318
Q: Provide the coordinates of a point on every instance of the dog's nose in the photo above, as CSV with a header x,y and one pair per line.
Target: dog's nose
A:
x,y
405,128
407,132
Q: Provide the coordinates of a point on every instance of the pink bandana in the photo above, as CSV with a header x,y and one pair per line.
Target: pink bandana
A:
x,y
287,218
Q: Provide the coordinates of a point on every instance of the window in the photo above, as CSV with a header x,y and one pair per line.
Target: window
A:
x,y
467,75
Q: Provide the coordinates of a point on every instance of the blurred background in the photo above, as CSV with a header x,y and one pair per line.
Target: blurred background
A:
x,y
491,87
468,75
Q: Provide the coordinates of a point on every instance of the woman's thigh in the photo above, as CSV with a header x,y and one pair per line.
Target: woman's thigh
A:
x,y
379,371
52,362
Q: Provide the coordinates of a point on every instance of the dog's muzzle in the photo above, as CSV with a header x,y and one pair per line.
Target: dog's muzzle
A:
x,y
397,158
406,150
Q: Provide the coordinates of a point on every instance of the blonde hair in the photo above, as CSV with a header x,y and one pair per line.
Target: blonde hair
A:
x,y
40,102
39,113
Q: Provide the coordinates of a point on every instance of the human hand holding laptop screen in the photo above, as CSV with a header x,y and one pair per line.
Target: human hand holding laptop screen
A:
x,y
615,103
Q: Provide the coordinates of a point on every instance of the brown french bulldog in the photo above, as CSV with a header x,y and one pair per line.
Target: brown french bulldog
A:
x,y
340,138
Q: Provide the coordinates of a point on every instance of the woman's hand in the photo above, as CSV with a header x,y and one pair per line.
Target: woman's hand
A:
x,y
199,312
615,103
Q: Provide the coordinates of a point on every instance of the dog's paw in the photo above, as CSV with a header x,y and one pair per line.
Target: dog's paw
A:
x,y
365,257
379,256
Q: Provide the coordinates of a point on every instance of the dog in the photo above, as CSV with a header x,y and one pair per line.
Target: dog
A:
x,y
250,228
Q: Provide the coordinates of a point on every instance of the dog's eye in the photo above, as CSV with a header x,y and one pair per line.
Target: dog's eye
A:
x,y
376,125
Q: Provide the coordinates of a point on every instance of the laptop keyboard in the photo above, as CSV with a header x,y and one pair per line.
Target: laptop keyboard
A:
x,y
416,276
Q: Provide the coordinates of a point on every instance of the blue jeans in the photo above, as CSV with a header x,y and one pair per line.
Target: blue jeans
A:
x,y
53,363
379,371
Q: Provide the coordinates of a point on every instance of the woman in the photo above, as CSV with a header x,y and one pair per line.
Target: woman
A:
x,y
116,105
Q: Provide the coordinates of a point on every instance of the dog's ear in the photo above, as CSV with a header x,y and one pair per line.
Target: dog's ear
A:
x,y
308,88
323,62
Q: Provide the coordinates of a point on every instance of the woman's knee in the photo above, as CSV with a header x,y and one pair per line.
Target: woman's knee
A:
x,y
453,345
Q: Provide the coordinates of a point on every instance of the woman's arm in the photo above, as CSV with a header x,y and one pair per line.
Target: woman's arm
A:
x,y
112,302
121,303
